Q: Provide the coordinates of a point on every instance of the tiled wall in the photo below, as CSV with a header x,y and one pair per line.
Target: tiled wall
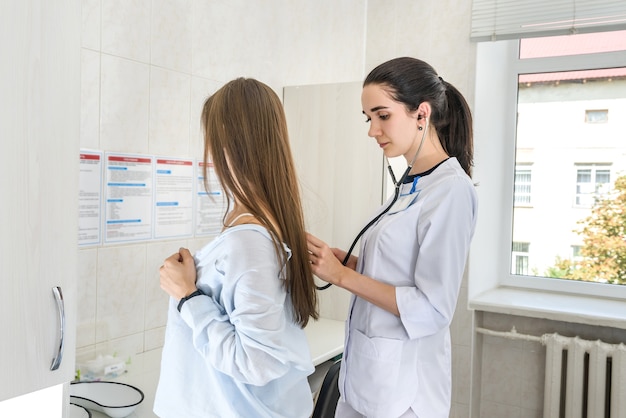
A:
x,y
147,65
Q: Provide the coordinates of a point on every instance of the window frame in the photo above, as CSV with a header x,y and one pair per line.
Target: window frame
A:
x,y
495,119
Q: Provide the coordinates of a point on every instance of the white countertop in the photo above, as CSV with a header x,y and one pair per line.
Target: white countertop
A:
x,y
325,336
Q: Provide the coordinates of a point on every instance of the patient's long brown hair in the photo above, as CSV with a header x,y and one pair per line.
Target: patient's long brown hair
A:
x,y
246,138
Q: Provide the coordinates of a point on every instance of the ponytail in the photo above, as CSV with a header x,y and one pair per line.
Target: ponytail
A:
x,y
411,81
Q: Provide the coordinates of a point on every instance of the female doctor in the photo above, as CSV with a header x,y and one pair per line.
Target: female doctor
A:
x,y
405,283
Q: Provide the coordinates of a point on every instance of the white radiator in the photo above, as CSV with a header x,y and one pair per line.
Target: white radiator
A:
x,y
584,379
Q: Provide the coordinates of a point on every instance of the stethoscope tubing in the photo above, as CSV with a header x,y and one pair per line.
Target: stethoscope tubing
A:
x,y
368,226
397,185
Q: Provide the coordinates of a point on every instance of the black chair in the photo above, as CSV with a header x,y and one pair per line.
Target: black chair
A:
x,y
329,394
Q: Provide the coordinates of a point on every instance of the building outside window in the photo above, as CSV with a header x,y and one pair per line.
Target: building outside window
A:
x,y
521,194
576,252
520,258
592,183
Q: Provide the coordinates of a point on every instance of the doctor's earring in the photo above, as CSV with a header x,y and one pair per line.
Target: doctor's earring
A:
x,y
419,127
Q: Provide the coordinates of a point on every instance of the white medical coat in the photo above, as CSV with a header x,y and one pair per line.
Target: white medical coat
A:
x,y
421,245
236,352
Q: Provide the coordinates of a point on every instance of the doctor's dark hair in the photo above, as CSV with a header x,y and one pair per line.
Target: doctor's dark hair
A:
x,y
411,82
246,140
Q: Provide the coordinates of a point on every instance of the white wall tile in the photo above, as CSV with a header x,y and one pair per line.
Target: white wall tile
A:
x,y
501,371
326,43
382,33
121,292
91,16
290,43
461,374
154,338
124,347
462,326
89,99
498,410
169,112
86,291
126,29
343,28
171,34
124,105
219,53
533,376
201,89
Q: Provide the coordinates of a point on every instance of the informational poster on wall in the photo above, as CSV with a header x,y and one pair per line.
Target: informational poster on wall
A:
x,y
89,197
210,201
173,206
128,198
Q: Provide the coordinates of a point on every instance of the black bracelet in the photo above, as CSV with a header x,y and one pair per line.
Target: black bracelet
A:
x,y
186,298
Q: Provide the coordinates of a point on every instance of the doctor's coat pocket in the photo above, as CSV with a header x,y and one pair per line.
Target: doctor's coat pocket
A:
x,y
382,381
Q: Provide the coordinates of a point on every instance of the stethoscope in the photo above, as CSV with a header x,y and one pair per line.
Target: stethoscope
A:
x,y
396,193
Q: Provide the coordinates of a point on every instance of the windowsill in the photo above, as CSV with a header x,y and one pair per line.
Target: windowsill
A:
x,y
577,309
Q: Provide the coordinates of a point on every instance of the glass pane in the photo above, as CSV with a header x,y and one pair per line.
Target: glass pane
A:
x,y
584,176
597,116
521,265
602,176
575,164
522,187
520,247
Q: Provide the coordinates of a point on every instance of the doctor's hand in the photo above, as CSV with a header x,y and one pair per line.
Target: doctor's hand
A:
x,y
341,254
178,274
325,263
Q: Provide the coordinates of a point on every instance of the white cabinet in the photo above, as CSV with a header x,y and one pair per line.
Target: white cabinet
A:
x,y
340,168
39,150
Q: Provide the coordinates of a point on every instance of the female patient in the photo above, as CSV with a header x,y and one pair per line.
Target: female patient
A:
x,y
234,344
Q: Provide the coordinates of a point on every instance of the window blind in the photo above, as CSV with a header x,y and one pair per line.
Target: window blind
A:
x,y
513,19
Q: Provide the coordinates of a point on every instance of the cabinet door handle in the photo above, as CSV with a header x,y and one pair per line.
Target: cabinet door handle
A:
x,y
58,296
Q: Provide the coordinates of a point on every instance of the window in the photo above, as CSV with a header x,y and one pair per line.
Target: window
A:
x,y
520,258
591,184
576,252
597,116
521,193
545,102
